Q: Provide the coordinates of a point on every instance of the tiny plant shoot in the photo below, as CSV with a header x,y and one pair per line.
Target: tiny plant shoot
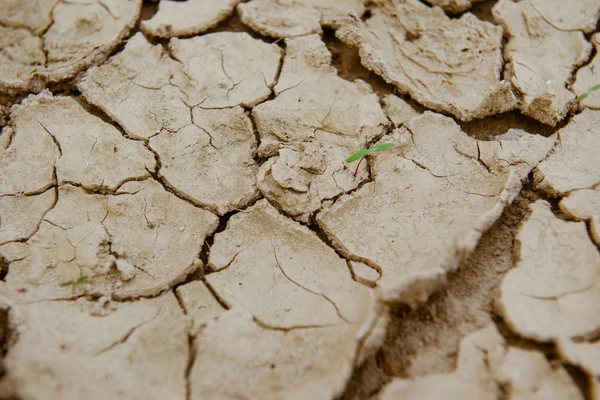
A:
x,y
586,94
74,281
362,153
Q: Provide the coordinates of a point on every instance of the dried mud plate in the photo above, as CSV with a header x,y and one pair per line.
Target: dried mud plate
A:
x,y
316,121
50,41
432,198
541,56
296,18
187,18
487,369
448,65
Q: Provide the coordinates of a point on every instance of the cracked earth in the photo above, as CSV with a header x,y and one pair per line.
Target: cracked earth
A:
x,y
178,221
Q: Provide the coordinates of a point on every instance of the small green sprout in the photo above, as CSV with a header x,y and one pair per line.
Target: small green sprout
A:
x,y
586,94
362,153
74,281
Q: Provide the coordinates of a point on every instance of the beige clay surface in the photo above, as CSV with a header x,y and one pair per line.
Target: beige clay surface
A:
x,y
309,129
403,214
178,219
187,18
541,56
53,40
398,44
291,18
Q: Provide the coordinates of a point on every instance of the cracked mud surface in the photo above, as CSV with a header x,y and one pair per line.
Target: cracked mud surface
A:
x,y
178,219
53,40
187,18
415,249
436,60
306,137
541,54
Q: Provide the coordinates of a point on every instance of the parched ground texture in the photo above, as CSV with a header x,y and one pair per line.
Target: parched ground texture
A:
x,y
178,219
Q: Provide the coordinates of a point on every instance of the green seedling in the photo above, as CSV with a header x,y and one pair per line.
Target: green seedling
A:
x,y
362,153
74,281
586,94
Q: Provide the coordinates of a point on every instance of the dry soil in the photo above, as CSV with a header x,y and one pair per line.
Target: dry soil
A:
x,y
178,219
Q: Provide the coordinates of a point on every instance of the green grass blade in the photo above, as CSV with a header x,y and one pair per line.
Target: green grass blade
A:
x,y
381,147
586,94
359,154
74,281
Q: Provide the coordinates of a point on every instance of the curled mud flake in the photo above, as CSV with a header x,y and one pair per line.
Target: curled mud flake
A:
x,y
146,91
65,38
575,162
584,205
485,364
311,363
33,15
448,65
93,153
86,235
211,161
541,58
553,292
587,77
200,304
187,18
139,341
20,215
432,198
288,276
282,19
316,121
453,6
